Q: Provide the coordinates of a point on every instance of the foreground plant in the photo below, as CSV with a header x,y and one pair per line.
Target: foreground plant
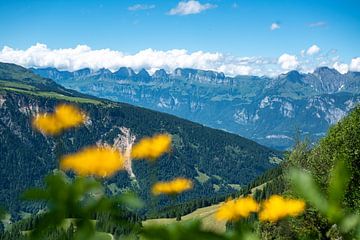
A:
x,y
82,197
330,205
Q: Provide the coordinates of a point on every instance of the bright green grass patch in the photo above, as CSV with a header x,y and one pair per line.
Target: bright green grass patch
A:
x,y
216,187
5,83
235,186
205,214
53,95
6,222
202,177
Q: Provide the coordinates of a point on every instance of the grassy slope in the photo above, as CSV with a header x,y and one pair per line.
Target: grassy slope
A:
x,y
205,214
31,90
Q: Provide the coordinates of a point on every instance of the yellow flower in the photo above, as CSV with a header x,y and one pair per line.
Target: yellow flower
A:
x,y
277,207
152,148
47,124
175,186
69,116
98,161
64,117
235,209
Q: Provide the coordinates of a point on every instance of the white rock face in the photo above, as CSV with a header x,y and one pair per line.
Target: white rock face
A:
x,y
164,103
265,102
124,142
29,110
169,102
334,115
2,100
287,110
242,117
350,104
194,106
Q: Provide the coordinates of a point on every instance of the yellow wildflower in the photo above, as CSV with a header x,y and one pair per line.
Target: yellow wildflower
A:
x,y
64,116
69,116
175,186
152,148
47,124
235,209
277,207
99,161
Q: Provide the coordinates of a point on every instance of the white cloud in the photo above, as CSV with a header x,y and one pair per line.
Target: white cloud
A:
x,y
313,50
341,67
82,56
302,53
138,7
355,64
317,24
288,62
274,26
190,7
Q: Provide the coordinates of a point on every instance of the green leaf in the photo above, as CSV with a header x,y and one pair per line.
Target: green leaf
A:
x,y
338,182
130,200
350,223
305,186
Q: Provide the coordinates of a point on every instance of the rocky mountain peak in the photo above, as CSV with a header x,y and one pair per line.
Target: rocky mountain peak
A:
x,y
161,73
124,72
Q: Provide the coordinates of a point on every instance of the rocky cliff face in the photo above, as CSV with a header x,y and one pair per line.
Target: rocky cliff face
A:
x,y
267,110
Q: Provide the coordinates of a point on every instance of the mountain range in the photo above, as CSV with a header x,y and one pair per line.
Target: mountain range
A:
x,y
217,161
270,110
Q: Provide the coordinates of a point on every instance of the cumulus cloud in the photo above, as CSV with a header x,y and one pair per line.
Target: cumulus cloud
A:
x,y
288,62
138,7
82,56
190,7
341,67
313,50
274,26
355,64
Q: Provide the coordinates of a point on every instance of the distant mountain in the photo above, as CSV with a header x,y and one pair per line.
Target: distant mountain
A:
x,y
267,110
217,161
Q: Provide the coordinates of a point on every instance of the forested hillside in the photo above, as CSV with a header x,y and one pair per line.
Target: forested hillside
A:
x,y
217,161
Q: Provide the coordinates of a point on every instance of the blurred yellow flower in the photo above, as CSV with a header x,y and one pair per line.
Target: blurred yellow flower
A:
x,y
152,148
235,209
98,161
175,186
64,117
277,207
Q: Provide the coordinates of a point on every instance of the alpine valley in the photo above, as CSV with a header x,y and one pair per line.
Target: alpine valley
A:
x,y
219,162
270,111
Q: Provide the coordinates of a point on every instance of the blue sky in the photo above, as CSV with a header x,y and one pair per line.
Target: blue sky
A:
x,y
235,29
